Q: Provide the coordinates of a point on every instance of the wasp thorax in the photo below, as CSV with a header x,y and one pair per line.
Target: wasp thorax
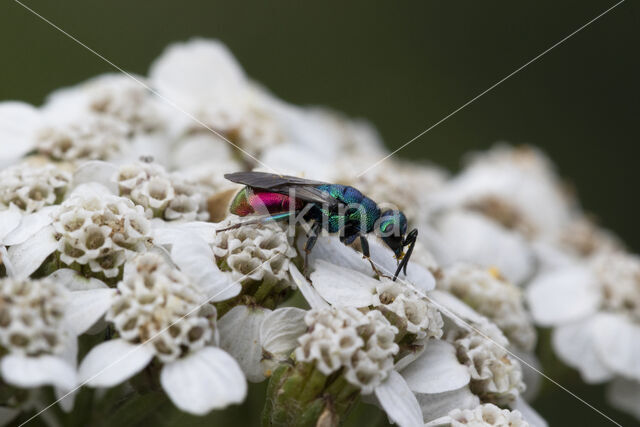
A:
x,y
32,316
361,343
158,304
100,232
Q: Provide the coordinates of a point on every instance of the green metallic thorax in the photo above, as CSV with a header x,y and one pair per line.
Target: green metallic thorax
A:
x,y
362,210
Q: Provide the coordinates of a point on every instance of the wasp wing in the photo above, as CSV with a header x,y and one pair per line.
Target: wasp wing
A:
x,y
302,188
268,181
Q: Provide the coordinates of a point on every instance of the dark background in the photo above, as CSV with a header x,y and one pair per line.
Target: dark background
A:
x,y
402,65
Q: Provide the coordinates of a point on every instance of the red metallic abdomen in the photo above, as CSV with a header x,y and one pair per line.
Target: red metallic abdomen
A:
x,y
250,201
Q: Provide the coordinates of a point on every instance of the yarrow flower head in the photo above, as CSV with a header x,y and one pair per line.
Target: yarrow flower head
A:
x,y
259,252
495,376
37,345
100,231
159,313
361,343
90,137
32,187
157,301
487,292
593,306
413,312
487,415
32,317
163,195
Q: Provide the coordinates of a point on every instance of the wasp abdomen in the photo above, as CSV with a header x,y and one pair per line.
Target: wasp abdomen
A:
x,y
251,201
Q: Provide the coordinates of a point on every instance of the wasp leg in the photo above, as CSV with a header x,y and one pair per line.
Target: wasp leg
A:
x,y
367,255
312,237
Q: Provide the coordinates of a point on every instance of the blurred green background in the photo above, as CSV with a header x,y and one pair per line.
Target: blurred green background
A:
x,y
404,66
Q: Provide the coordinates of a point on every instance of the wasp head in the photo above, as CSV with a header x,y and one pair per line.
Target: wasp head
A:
x,y
393,231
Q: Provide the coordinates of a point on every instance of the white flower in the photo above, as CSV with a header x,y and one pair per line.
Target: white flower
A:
x,y
361,343
494,297
37,346
19,123
169,196
495,376
509,185
159,313
331,250
116,96
87,137
31,187
100,231
466,236
204,80
470,366
260,252
91,228
594,307
482,415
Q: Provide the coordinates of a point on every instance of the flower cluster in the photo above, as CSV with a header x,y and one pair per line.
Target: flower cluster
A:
x,y
262,253
32,187
116,239
483,415
157,301
415,313
495,376
100,232
32,317
492,296
362,344
168,196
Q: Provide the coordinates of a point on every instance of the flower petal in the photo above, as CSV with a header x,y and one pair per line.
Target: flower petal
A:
x,y
193,255
279,334
113,362
618,344
437,370
563,296
18,123
26,257
440,404
342,287
29,372
575,343
74,281
9,220
205,380
624,395
398,401
240,336
473,238
30,225
452,307
384,259
529,414
85,308
332,250
97,171
308,292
